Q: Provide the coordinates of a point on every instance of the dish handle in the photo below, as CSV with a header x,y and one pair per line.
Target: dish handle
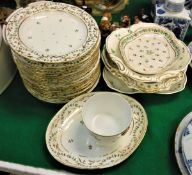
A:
x,y
120,64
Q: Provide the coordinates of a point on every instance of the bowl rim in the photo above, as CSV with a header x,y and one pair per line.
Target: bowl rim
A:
x,y
123,130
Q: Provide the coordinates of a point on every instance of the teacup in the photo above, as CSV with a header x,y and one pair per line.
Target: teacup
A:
x,y
107,116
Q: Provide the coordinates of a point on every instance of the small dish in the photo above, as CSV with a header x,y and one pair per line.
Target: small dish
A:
x,y
107,116
70,142
149,50
178,144
186,141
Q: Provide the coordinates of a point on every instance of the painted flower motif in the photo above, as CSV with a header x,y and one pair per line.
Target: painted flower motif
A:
x,y
186,132
160,11
90,147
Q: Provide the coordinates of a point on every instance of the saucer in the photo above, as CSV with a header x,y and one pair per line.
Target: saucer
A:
x,y
70,142
186,142
118,85
178,146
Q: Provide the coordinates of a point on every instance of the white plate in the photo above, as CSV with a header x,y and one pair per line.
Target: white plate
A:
x,y
70,142
149,50
178,146
187,146
52,32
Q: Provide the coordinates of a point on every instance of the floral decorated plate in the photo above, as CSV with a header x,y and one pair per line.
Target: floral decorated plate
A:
x,y
34,32
187,146
70,142
149,50
178,144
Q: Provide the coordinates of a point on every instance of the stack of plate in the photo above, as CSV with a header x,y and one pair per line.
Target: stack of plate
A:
x,y
56,49
145,58
183,145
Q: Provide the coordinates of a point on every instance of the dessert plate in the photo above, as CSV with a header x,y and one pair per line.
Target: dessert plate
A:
x,y
187,146
178,145
149,51
30,32
70,142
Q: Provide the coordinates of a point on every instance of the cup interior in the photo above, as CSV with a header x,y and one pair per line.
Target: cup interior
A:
x,y
107,114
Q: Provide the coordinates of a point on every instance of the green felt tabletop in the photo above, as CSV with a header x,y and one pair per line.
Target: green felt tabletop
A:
x,y
24,119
